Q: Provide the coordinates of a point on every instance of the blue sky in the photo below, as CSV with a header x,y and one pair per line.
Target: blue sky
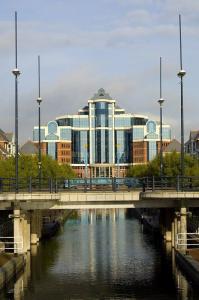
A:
x,y
85,45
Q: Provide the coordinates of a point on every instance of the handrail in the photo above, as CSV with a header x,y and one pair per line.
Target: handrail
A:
x,y
177,183
187,239
11,243
55,185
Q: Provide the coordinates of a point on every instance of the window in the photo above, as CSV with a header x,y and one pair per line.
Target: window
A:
x,y
65,134
52,150
36,134
152,150
52,127
138,133
123,122
151,126
166,133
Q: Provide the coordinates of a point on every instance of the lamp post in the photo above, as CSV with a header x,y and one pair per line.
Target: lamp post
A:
x,y
86,161
161,101
86,165
39,100
118,164
181,74
16,73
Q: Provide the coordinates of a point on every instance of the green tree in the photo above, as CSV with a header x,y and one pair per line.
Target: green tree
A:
x,y
171,166
28,167
137,171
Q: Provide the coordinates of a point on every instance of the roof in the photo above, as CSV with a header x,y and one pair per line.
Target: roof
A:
x,y
3,136
9,136
174,145
29,148
194,134
101,94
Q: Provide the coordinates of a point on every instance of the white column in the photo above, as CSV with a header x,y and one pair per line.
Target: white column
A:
x,y
18,231
183,227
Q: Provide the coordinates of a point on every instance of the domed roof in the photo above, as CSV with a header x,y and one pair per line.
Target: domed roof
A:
x,y
101,94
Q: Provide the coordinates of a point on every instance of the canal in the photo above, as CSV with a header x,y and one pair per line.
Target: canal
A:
x,y
101,255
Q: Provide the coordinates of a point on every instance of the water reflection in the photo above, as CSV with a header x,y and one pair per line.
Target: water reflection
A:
x,y
101,255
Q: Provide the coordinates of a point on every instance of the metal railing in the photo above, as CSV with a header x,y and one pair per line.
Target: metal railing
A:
x,y
50,185
187,239
55,185
177,183
10,243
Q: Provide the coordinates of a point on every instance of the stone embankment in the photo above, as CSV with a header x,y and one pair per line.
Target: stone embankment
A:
x,y
10,266
189,263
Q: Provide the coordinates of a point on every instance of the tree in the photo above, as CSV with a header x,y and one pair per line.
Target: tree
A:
x,y
171,166
28,167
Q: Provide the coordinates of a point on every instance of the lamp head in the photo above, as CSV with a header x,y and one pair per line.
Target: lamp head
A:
x,y
161,101
39,100
181,73
16,72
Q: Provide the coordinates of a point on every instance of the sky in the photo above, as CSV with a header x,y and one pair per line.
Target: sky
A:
x,y
85,45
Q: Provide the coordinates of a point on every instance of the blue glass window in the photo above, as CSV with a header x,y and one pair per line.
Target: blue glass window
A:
x,y
83,122
152,136
166,133
152,150
122,142
80,122
51,150
65,134
123,122
75,122
151,126
52,137
138,133
36,134
52,127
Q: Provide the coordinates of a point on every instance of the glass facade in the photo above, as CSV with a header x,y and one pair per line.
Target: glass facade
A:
x,y
52,149
36,134
65,134
138,133
152,150
166,133
102,133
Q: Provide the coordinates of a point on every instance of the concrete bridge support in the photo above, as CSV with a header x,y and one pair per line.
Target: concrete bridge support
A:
x,y
179,225
183,228
27,229
21,231
36,227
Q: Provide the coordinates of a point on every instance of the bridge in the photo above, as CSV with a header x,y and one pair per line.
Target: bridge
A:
x,y
98,200
173,196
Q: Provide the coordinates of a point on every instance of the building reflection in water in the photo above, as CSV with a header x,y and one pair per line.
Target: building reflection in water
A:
x,y
114,252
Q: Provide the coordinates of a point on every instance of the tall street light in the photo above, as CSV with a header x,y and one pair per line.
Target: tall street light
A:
x,y
39,100
16,73
161,101
181,74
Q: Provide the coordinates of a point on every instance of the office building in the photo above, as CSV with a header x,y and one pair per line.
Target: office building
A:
x,y
102,140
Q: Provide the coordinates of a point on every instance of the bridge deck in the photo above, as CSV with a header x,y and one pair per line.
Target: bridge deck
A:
x,y
99,199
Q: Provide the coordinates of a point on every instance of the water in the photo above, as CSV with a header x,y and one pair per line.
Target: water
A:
x,y
105,256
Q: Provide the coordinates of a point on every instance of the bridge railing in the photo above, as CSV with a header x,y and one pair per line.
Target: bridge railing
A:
x,y
177,183
11,244
187,239
55,185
